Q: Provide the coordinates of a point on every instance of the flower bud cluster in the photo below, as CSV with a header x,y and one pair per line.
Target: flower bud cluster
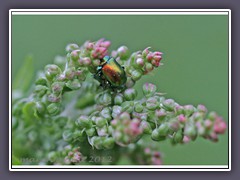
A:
x,y
144,153
106,119
142,63
73,157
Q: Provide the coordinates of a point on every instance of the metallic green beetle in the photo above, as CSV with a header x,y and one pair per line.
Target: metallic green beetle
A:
x,y
110,73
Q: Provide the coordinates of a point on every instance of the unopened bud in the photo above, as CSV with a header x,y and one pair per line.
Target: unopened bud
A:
x,y
71,47
52,71
149,89
84,122
53,108
130,94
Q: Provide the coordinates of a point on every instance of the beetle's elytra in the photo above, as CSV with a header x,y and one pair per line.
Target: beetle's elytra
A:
x,y
110,73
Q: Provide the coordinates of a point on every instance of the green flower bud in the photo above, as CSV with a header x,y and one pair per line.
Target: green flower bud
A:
x,y
124,116
178,136
116,111
102,131
163,129
174,124
148,67
169,104
130,94
136,75
41,81
52,71
106,98
67,135
118,100
179,110
123,52
152,103
78,135
146,127
110,129
57,87
130,82
71,47
201,108
128,106
81,75
189,110
198,116
74,84
100,122
212,116
97,142
108,143
149,89
106,114
191,132
156,136
138,107
70,73
75,54
96,62
86,61
145,52
160,114
84,122
91,132
54,98
40,108
40,90
53,108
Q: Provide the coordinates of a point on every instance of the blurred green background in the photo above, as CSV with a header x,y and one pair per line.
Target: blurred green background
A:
x,y
195,61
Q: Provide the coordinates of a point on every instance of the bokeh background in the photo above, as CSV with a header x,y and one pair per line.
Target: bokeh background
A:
x,y
195,69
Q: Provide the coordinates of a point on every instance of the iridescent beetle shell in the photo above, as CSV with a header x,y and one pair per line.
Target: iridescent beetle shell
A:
x,y
112,71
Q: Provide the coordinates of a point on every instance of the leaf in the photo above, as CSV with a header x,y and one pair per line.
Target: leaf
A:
x,y
24,76
30,112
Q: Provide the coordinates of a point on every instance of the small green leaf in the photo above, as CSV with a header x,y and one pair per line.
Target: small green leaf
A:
x,y
30,111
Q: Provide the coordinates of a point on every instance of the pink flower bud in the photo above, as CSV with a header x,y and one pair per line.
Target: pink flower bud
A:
x,y
219,126
140,62
202,108
155,63
213,136
182,118
114,122
106,44
90,46
157,58
157,53
145,52
208,123
186,139
149,57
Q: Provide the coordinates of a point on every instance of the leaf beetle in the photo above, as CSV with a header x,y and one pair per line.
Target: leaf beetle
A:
x,y
110,73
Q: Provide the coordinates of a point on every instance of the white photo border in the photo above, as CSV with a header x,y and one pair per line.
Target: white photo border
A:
x,y
120,12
